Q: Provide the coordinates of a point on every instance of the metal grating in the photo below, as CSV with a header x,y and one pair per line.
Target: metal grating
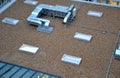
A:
x,y
8,70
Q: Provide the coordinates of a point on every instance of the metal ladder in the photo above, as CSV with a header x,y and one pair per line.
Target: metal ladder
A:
x,y
8,70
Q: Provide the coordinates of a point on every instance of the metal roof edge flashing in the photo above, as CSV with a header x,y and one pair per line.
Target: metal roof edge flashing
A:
x,y
96,3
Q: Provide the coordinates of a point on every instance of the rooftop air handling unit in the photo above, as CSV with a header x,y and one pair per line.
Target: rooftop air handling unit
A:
x,y
67,13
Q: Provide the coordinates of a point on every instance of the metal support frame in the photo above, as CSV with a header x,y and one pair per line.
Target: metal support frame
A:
x,y
67,13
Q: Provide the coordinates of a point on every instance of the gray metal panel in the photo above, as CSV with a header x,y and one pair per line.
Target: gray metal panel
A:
x,y
29,49
45,29
33,20
54,8
10,21
5,69
71,7
31,2
11,72
37,21
19,73
71,59
1,65
63,9
82,36
94,13
36,11
28,74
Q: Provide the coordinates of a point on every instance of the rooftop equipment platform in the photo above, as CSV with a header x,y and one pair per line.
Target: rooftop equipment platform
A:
x,y
67,13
